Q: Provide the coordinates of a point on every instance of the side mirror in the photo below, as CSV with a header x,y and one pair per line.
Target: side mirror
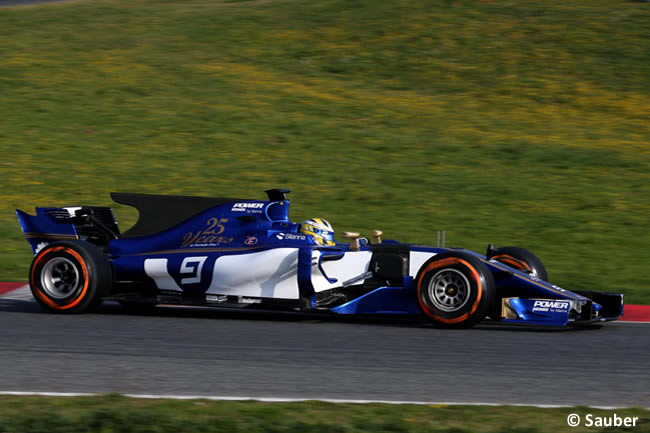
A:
x,y
354,240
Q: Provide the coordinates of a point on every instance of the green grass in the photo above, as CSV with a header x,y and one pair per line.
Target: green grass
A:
x,y
117,414
520,123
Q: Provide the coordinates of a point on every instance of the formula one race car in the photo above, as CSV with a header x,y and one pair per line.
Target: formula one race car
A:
x,y
242,253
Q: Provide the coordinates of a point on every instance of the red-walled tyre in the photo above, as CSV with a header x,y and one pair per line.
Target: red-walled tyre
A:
x,y
521,259
455,290
70,277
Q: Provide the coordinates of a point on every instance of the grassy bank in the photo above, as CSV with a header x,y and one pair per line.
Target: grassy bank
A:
x,y
117,414
519,123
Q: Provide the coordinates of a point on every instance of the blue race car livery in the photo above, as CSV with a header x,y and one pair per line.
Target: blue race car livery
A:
x,y
243,253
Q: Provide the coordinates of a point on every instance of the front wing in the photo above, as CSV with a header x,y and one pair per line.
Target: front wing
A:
x,y
599,307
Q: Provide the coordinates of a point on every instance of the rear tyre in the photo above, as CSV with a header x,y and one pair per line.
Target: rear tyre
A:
x,y
521,259
455,290
70,277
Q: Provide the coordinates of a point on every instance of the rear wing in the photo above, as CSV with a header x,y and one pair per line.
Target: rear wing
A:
x,y
48,225
95,224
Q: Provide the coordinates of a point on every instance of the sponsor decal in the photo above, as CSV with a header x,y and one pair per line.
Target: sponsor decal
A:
x,y
290,236
209,236
40,246
551,306
250,240
243,300
243,207
72,209
216,298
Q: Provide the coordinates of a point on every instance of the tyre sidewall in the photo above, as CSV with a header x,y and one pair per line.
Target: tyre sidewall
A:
x,y
481,286
522,260
95,276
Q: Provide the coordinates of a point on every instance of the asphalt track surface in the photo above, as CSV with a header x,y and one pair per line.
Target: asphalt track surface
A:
x,y
205,352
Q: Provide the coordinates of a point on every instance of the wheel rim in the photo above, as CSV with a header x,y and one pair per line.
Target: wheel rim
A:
x,y
60,278
449,290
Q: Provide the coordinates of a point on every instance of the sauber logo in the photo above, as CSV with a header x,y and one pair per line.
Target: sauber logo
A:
x,y
550,306
241,207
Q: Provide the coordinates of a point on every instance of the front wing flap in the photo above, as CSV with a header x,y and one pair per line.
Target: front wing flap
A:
x,y
563,312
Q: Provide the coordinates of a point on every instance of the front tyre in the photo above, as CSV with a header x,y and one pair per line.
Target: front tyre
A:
x,y
70,277
521,259
455,290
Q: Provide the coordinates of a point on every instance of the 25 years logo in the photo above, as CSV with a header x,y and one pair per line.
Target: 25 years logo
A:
x,y
209,235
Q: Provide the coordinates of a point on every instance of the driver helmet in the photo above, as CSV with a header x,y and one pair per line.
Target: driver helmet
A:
x,y
320,229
